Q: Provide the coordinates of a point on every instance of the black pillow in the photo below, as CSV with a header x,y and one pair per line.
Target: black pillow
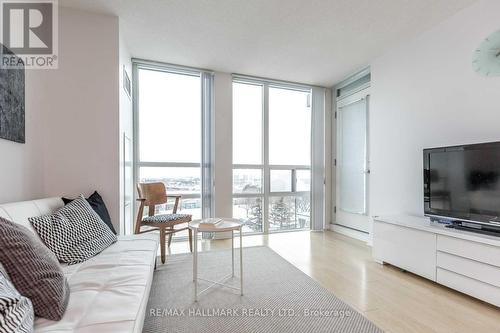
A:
x,y
97,204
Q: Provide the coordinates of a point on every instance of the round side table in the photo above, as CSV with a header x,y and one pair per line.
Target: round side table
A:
x,y
227,224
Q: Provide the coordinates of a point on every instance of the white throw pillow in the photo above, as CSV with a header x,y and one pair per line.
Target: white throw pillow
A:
x,y
74,232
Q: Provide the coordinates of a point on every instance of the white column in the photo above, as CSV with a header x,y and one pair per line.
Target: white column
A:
x,y
318,159
223,172
329,162
208,159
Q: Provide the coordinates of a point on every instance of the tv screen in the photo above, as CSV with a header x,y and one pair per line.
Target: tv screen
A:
x,y
463,182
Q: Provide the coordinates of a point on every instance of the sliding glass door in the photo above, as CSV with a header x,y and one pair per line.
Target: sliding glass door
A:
x,y
271,156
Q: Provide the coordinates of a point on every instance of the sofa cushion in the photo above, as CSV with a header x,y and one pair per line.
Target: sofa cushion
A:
x,y
20,212
74,232
109,292
97,203
33,270
16,311
165,218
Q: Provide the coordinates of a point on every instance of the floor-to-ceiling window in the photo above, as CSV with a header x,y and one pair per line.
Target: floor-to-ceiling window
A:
x,y
248,154
289,159
169,134
271,155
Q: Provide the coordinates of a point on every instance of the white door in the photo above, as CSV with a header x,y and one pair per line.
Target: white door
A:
x,y
352,162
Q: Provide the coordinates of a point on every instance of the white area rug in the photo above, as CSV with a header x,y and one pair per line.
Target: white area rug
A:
x,y
278,297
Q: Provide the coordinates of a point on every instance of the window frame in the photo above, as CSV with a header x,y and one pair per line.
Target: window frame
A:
x,y
140,64
265,167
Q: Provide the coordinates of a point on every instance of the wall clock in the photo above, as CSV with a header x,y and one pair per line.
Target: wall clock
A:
x,y
487,56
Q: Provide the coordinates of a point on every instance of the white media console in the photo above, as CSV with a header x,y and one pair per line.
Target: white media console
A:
x,y
461,260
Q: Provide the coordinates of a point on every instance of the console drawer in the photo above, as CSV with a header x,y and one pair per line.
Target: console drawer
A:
x,y
475,288
470,268
469,249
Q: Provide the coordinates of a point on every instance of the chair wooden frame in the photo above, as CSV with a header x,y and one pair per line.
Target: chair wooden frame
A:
x,y
150,195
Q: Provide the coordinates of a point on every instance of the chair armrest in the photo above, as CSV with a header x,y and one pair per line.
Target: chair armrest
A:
x,y
139,215
176,205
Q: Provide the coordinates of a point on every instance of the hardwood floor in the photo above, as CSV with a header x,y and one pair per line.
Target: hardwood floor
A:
x,y
396,301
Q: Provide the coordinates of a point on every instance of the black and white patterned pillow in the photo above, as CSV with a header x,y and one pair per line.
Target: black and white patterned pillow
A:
x,y
16,311
74,233
33,270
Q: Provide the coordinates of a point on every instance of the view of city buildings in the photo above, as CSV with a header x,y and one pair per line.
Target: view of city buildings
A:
x,y
285,212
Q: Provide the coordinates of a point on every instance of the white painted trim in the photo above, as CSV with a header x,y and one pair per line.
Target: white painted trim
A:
x,y
168,164
272,166
353,78
266,181
248,195
167,67
135,133
248,166
359,235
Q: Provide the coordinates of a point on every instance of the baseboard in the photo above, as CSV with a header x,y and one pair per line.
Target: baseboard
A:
x,y
359,235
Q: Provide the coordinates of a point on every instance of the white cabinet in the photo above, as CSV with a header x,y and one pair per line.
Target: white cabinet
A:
x,y
410,249
465,261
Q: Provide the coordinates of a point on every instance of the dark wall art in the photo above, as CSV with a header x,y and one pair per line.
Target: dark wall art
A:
x,y
11,101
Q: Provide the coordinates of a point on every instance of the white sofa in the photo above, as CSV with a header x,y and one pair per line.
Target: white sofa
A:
x,y
109,292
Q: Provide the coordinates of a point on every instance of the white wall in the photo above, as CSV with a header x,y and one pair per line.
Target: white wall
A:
x,y
425,94
72,119
81,110
20,166
126,129
329,153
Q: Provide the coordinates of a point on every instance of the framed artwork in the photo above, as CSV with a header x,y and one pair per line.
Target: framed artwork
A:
x,y
12,122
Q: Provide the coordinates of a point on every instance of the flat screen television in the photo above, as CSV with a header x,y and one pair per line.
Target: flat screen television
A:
x,y
462,183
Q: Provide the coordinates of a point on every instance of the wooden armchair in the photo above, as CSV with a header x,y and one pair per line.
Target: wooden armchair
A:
x,y
150,195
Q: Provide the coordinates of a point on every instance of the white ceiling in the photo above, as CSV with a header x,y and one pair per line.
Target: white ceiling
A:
x,y
317,42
